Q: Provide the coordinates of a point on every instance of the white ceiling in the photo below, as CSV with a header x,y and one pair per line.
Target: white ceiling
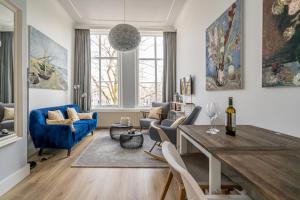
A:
x,y
141,13
6,19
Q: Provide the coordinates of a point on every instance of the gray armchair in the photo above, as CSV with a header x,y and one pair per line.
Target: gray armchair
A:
x,y
7,124
145,121
170,132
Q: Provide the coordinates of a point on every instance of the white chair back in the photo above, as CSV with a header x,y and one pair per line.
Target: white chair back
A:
x,y
178,168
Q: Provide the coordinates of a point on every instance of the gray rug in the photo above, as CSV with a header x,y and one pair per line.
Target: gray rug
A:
x,y
103,152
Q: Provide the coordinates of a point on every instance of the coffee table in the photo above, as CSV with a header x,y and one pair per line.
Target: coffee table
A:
x,y
116,129
132,140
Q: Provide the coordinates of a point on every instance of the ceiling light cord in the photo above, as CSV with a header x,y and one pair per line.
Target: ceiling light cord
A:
x,y
124,12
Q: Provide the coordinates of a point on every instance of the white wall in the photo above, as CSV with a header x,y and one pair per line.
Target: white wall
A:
x,y
13,157
50,18
272,108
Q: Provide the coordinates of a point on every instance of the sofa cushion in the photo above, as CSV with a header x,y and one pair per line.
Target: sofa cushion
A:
x,y
85,115
81,130
55,115
72,114
2,105
61,122
9,114
92,123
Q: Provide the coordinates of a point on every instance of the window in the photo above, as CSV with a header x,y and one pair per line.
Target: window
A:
x,y
105,72
150,70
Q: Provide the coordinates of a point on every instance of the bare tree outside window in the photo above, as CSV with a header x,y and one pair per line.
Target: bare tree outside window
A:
x,y
104,72
150,72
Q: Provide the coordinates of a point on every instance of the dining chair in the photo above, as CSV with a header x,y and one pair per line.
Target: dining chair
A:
x,y
189,187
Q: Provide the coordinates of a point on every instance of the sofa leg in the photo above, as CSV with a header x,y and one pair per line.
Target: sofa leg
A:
x,y
92,132
69,152
40,151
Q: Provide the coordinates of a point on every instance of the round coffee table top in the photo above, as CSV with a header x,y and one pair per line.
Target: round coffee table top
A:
x,y
136,133
118,125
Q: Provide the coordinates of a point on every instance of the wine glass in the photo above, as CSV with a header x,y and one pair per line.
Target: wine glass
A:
x,y
212,112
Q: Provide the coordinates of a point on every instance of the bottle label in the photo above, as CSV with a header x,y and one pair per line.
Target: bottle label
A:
x,y
230,120
233,120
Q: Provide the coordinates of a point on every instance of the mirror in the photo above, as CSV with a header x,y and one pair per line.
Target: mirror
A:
x,y
7,98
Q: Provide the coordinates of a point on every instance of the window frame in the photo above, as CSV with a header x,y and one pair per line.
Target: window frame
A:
x,y
155,59
119,65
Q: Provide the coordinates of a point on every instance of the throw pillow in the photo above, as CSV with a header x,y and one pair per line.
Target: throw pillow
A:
x,y
85,115
9,114
73,115
55,115
61,122
178,122
155,113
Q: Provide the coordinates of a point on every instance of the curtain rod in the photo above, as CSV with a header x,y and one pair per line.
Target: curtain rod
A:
x,y
106,27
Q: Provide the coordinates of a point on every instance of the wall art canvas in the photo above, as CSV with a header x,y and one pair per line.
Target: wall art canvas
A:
x,y
281,43
223,51
48,62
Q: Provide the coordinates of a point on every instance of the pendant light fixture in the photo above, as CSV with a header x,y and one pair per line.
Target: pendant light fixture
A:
x,y
124,37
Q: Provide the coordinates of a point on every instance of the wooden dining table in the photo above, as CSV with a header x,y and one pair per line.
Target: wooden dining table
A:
x,y
268,160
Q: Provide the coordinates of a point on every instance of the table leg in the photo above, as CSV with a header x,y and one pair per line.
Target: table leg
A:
x,y
214,175
183,144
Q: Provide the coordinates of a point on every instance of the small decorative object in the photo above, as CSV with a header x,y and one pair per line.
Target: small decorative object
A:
x,y
178,107
125,121
188,86
281,47
124,37
223,51
48,62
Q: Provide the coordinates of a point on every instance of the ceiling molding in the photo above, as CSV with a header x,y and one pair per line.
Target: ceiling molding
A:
x,y
168,21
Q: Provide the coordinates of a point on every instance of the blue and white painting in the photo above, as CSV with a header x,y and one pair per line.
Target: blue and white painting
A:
x,y
223,51
48,62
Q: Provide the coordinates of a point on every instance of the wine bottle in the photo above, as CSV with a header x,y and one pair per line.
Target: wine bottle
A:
x,y
230,119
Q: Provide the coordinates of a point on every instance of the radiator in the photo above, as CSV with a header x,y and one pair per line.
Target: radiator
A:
x,y
106,118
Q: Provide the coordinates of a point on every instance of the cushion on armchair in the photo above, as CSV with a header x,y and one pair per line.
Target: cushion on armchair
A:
x,y
9,113
178,122
155,113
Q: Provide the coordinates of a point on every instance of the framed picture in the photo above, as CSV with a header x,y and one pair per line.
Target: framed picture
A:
x,y
281,43
223,50
48,62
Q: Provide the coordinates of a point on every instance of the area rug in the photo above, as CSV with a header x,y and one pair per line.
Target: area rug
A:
x,y
103,152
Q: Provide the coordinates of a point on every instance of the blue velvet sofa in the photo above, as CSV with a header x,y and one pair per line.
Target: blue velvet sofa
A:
x,y
58,136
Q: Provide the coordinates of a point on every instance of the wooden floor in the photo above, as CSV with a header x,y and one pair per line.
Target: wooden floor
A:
x,y
55,179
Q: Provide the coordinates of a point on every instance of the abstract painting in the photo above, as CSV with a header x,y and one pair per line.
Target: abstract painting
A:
x,y
223,51
48,62
281,43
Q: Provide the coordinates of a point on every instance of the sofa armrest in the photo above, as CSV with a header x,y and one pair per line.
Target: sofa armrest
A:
x,y
95,115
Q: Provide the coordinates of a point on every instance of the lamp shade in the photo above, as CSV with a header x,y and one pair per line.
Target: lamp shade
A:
x,y
124,37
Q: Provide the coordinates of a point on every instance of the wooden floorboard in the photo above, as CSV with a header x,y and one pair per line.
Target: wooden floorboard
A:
x,y
54,179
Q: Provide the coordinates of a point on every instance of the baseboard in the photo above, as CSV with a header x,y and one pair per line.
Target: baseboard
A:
x,y
9,182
